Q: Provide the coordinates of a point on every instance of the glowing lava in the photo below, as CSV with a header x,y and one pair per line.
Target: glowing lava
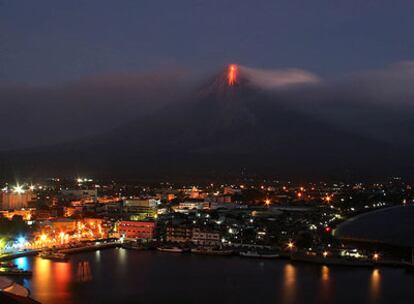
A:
x,y
232,74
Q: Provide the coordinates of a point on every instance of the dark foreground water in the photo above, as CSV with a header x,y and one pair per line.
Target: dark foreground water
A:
x,y
122,276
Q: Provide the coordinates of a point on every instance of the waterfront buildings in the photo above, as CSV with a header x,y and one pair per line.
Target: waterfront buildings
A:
x,y
180,234
138,230
205,237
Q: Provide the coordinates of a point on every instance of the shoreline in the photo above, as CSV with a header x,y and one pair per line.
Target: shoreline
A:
x,y
282,256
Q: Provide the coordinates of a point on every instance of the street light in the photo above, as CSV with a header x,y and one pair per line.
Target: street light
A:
x,y
18,189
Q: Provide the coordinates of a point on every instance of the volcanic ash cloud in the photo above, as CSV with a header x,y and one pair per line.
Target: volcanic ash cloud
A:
x,y
276,79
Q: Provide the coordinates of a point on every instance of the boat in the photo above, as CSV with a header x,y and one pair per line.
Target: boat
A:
x,y
89,247
330,260
172,249
50,255
259,254
15,272
211,251
133,246
8,264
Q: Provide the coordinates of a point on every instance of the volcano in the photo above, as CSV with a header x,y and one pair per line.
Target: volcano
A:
x,y
228,126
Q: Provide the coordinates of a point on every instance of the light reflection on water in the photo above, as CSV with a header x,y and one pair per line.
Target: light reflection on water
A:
x,y
98,256
375,286
22,263
289,279
325,275
122,253
116,275
325,285
83,273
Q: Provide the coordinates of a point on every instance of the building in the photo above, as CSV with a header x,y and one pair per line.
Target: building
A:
x,y
70,211
165,195
98,226
223,198
42,214
203,237
141,230
16,200
108,199
80,196
65,225
230,191
26,214
220,205
140,204
179,234
140,209
194,204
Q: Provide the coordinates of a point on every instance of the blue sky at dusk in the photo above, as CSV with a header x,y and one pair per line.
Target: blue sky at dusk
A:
x,y
57,41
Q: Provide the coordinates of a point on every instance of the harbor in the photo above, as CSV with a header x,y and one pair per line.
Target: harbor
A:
x,y
335,257
142,272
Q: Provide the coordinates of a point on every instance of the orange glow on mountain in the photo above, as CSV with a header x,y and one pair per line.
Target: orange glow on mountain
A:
x,y
232,74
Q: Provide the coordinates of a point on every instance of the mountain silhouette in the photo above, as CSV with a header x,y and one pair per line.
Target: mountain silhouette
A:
x,y
228,126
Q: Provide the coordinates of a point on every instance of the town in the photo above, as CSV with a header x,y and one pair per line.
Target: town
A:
x,y
253,218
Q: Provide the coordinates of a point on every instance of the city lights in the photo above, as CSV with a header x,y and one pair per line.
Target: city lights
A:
x,y
18,189
21,240
2,244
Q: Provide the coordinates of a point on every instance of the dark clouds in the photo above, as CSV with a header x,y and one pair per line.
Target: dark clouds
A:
x,y
36,116
378,103
375,103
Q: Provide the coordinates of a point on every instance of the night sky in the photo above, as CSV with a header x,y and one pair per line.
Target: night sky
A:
x,y
332,73
45,42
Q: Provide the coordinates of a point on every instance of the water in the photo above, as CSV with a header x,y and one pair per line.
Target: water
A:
x,y
122,276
